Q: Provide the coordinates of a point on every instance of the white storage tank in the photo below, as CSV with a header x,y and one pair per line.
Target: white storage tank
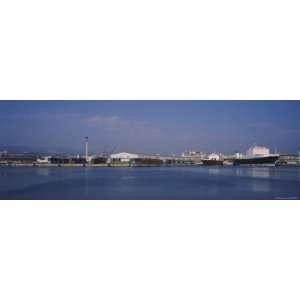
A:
x,y
258,151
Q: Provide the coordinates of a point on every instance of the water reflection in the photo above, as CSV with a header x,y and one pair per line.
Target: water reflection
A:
x,y
150,183
86,181
43,171
239,172
255,172
260,172
261,186
214,171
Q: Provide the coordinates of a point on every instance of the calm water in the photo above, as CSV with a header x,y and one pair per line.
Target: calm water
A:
x,y
150,183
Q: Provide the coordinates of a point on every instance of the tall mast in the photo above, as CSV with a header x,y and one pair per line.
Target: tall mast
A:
x,y
86,148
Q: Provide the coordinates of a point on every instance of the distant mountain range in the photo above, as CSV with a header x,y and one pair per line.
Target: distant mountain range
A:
x,y
19,149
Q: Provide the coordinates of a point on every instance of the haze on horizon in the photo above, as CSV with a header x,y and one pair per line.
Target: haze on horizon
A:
x,y
151,126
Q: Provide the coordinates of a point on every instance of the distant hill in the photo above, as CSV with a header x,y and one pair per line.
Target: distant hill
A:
x,y
19,149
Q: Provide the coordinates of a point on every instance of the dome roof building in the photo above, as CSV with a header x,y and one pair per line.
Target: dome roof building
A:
x,y
258,151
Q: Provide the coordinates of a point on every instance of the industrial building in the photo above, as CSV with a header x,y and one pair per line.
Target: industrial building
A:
x,y
144,159
123,157
18,159
132,159
194,156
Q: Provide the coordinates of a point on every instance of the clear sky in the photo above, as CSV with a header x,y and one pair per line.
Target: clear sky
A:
x,y
150,126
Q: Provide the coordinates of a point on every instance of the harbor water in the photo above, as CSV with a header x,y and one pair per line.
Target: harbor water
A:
x,y
227,182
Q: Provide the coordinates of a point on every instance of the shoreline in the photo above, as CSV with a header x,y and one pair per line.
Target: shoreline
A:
x,y
24,165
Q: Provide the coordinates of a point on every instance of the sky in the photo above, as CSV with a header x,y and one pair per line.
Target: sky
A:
x,y
165,127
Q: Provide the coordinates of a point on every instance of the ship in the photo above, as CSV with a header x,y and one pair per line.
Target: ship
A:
x,y
257,160
213,160
257,155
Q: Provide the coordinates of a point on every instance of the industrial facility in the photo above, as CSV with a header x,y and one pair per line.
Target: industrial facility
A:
x,y
254,155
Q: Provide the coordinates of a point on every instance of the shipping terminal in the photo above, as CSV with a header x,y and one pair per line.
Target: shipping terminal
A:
x,y
255,156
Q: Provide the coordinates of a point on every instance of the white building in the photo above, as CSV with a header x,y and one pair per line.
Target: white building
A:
x,y
258,151
238,155
191,154
43,160
89,158
124,156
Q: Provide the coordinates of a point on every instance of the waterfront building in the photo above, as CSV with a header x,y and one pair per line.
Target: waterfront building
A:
x,y
146,159
193,156
89,158
124,157
238,155
59,160
43,160
98,160
289,159
134,159
19,158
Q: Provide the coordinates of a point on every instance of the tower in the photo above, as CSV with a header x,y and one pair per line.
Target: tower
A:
x,y
86,148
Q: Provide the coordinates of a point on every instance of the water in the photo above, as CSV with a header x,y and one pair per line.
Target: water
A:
x,y
200,182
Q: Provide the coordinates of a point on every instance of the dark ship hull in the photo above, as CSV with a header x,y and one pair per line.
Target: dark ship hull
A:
x,y
263,160
212,162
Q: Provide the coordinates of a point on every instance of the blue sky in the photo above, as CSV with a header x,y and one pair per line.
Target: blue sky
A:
x,y
151,126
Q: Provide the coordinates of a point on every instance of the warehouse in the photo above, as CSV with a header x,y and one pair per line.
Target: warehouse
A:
x,y
133,159
123,157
